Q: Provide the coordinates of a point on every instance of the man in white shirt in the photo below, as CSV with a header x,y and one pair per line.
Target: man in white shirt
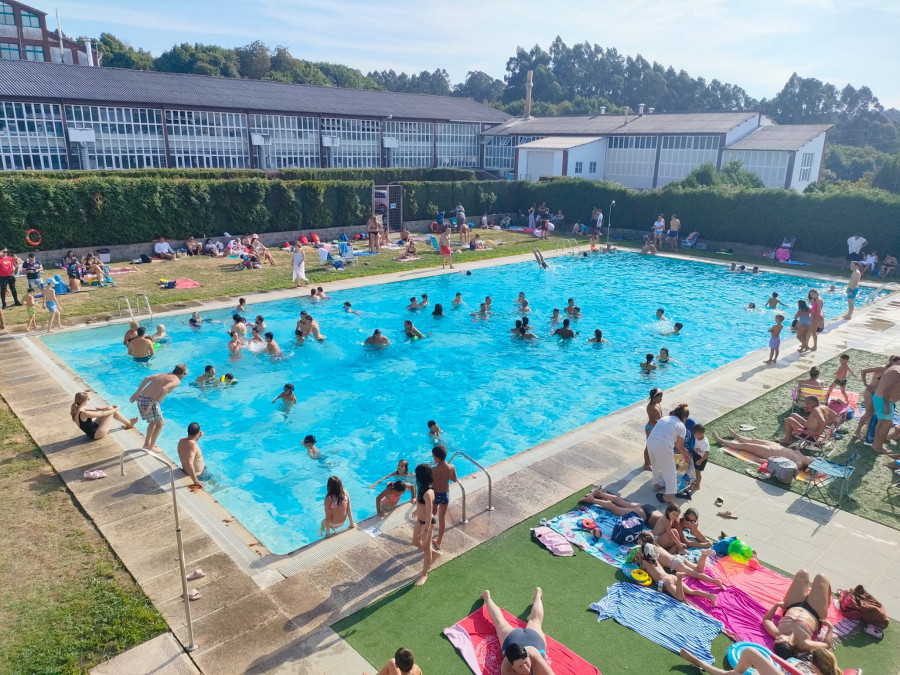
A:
x,y
163,250
855,245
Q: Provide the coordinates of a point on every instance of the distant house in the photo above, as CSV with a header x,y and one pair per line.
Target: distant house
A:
x,y
24,36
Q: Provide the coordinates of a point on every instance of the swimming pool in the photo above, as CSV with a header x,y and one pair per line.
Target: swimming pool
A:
x,y
492,395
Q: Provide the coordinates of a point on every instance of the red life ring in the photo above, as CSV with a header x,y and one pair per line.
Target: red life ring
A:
x,y
30,241
434,227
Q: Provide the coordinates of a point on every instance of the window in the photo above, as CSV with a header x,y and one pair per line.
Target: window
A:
x,y
457,144
34,53
292,142
682,154
355,143
7,17
8,50
806,166
415,143
206,140
30,20
134,141
32,138
592,167
578,166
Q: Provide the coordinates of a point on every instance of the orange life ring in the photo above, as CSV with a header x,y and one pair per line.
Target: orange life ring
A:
x,y
434,227
31,241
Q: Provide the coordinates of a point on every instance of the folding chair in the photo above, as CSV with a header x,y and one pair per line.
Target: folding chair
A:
x,y
894,484
824,442
824,469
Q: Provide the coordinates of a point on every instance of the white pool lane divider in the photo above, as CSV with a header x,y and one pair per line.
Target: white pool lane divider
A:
x,y
227,540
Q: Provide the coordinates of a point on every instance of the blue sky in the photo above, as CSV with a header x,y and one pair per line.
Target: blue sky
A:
x,y
756,45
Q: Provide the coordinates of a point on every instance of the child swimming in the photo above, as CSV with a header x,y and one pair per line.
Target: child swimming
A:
x,y
648,365
286,396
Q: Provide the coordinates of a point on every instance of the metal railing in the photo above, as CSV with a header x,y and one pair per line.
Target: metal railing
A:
x,y
191,645
137,304
127,304
490,506
874,295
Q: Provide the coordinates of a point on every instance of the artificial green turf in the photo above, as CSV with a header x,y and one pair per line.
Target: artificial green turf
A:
x,y
510,566
871,476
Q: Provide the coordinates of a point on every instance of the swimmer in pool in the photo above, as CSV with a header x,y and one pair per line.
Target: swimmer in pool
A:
x,y
228,379
235,344
457,300
349,309
272,347
131,333
571,309
487,302
390,497
321,294
598,338
435,433
195,321
524,308
773,302
751,306
520,301
160,335
482,313
564,331
413,304
376,339
286,397
525,334
402,471
664,356
255,337
648,366
260,323
676,329
309,325
515,329
309,442
141,347
241,306
661,315
425,302
556,316
208,376
411,331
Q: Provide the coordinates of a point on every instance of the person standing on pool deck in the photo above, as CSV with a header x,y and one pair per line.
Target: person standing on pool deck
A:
x,y
668,433
852,288
149,394
444,246
373,229
817,317
654,413
191,456
884,401
775,339
443,474
53,306
674,229
424,528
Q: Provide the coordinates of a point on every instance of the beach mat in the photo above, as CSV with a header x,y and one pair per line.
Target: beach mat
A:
x,y
745,456
476,641
186,283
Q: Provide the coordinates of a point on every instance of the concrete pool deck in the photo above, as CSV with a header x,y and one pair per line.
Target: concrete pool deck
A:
x,y
262,613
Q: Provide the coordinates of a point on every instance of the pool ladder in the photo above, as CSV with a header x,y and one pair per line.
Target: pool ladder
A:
x,y
567,245
490,506
874,296
137,304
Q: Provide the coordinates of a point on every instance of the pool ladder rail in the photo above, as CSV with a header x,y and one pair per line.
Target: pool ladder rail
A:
x,y
137,304
567,245
490,506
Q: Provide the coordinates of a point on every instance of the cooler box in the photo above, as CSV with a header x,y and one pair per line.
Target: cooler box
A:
x,y
103,254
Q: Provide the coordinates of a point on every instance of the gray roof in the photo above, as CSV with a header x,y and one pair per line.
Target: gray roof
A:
x,y
784,137
616,125
559,142
36,80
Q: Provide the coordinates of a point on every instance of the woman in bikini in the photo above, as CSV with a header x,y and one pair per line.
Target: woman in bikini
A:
x,y
678,563
817,315
654,412
95,422
524,649
423,531
622,507
337,507
804,613
804,322
869,391
763,449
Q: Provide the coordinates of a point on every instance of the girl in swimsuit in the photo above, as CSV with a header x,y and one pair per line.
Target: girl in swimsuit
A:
x,y
95,422
805,609
804,322
524,649
337,507
817,315
424,529
654,412
821,661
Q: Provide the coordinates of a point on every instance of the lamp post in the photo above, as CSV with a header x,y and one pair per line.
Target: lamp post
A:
x,y
609,220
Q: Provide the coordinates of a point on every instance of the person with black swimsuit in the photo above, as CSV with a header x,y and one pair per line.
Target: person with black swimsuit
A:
x,y
524,649
805,611
425,521
95,422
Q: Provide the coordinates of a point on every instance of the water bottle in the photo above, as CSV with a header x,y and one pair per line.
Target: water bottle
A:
x,y
659,586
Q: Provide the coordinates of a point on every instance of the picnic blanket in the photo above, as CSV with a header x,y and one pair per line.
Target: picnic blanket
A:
x,y
186,283
660,618
476,640
604,548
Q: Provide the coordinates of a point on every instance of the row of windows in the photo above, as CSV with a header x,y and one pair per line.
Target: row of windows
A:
x,y
354,144
457,144
9,50
806,163
690,142
8,17
415,143
592,167
638,142
677,164
770,166
93,113
293,141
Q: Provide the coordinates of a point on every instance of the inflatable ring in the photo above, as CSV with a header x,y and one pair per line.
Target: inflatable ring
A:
x,y
734,653
641,577
434,227
588,523
30,238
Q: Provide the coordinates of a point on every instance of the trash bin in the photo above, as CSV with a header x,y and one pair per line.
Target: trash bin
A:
x,y
103,254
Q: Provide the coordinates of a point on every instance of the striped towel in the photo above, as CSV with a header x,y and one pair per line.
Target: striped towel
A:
x,y
660,618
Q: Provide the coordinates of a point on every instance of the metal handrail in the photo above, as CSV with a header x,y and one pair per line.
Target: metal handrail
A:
x,y
127,304
490,506
874,295
191,645
146,300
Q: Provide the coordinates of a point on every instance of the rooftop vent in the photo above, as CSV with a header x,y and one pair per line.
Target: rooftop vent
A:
x,y
640,108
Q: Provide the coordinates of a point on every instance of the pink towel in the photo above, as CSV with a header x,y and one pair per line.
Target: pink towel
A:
x,y
186,283
740,614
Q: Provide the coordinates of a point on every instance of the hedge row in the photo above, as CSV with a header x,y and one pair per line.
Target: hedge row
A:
x,y
105,211
377,176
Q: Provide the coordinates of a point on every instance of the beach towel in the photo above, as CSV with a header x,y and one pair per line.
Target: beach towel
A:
x,y
186,283
741,615
406,260
660,618
803,475
553,541
476,641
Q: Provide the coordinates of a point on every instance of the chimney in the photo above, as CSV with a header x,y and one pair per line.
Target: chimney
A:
x,y
602,109
89,50
640,109
528,85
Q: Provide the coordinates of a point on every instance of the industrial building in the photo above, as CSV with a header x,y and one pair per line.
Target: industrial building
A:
x,y
24,35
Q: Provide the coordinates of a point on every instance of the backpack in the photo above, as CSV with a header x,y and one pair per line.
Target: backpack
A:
x,y
782,469
73,271
146,258
626,531
862,605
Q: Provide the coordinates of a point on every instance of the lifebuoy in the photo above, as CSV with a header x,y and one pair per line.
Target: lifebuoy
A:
x,y
434,227
33,237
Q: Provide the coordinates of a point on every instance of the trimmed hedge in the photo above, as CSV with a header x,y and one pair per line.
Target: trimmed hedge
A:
x,y
377,176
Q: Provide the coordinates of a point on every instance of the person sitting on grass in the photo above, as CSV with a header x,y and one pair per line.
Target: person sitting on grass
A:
x,y
163,250
403,663
822,662
261,251
193,247
524,649
211,249
411,252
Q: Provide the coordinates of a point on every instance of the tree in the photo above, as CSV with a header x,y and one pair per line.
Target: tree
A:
x,y
254,60
342,76
888,176
286,68
733,174
198,59
850,163
480,87
118,54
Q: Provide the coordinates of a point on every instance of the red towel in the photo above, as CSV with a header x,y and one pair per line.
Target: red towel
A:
x,y
186,283
477,643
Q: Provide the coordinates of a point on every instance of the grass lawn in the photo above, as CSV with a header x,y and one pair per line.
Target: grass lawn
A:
x,y
66,603
871,476
510,566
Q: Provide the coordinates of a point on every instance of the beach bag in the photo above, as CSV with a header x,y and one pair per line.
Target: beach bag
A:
x,y
626,531
146,258
782,469
862,605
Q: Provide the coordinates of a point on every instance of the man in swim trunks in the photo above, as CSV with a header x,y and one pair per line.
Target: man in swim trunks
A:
x,y
763,449
820,416
390,497
377,339
564,331
622,507
852,288
411,331
805,611
524,649
442,475
191,456
674,229
141,347
884,402
149,394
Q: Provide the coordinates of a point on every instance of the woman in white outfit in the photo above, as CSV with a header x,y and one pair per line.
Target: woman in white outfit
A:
x,y
667,435
299,265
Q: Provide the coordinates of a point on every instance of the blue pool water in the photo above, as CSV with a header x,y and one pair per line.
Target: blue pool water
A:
x,y
492,395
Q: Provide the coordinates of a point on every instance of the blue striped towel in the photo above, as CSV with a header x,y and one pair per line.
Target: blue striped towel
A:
x,y
660,618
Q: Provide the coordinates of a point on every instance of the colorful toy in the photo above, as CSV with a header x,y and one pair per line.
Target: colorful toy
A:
x,y
588,523
641,577
753,564
740,551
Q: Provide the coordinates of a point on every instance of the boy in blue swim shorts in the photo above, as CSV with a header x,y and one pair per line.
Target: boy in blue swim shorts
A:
x,y
442,475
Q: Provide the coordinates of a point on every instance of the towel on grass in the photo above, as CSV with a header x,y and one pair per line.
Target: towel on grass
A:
x,y
186,283
660,618
750,458
476,640
740,614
